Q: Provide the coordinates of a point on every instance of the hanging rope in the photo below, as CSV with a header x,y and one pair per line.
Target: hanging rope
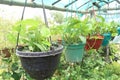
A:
x,y
45,18
86,15
20,24
67,10
116,17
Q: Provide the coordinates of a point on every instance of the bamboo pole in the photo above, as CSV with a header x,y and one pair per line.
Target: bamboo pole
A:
x,y
39,6
15,3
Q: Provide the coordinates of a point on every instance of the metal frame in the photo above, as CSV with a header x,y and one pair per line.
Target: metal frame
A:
x,y
40,6
52,7
70,3
56,2
99,2
84,4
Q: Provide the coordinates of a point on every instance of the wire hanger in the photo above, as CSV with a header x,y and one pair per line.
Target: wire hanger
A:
x,y
20,24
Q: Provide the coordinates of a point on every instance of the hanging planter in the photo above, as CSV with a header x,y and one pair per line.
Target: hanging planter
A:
x,y
107,37
118,30
74,53
93,42
40,65
39,55
74,38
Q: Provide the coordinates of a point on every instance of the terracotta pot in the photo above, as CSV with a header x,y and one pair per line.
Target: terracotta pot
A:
x,y
59,41
94,42
6,52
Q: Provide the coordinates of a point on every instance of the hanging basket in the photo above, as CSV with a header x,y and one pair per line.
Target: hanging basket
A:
x,y
74,53
107,37
94,42
40,65
118,30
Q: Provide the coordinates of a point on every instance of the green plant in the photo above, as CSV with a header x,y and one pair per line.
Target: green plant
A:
x,y
33,34
5,28
57,17
93,68
75,31
56,32
113,28
11,70
99,25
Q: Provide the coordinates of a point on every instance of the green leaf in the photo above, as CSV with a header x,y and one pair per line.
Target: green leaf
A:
x,y
45,32
16,76
41,47
83,39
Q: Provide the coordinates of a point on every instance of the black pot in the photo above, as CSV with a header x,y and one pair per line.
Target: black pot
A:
x,y
40,65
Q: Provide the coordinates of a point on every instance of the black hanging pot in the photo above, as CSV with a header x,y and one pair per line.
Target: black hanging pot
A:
x,y
40,65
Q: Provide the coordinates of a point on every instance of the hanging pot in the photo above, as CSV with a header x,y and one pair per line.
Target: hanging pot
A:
x,y
59,41
40,65
107,37
74,53
94,42
118,29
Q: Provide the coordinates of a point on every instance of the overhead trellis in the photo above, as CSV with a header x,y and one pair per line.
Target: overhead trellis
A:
x,y
81,6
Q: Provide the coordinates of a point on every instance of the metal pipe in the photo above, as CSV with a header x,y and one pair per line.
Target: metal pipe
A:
x,y
52,7
99,2
83,4
70,3
56,2
15,3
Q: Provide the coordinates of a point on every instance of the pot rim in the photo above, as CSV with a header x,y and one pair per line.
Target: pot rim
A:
x,y
58,50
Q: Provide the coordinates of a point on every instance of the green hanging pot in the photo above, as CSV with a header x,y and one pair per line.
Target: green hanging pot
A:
x,y
107,37
74,53
118,30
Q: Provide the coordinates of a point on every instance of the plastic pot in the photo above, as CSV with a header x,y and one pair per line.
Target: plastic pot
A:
x,y
40,65
94,42
107,37
118,30
74,53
